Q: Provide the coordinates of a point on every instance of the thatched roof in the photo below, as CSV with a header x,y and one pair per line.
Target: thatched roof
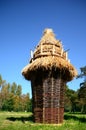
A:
x,y
49,54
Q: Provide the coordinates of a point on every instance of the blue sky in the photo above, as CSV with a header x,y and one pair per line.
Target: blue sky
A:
x,y
21,26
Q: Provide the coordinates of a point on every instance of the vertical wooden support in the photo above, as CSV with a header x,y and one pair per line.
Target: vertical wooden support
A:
x,y
62,52
41,48
66,55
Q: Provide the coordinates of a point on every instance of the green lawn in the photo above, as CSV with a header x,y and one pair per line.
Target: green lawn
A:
x,y
23,121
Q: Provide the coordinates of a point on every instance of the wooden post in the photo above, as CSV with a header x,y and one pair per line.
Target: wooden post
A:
x,y
66,55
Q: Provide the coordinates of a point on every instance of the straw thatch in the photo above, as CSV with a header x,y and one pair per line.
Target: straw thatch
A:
x,y
48,55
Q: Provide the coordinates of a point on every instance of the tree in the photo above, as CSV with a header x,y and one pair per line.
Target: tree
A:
x,y
11,97
1,81
82,96
16,103
67,102
19,90
2,84
83,73
13,88
27,102
71,99
82,90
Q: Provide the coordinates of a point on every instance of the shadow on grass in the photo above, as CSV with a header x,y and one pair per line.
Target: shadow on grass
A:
x,y
31,118
74,117
22,119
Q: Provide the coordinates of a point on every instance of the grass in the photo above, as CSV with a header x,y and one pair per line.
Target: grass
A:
x,y
23,121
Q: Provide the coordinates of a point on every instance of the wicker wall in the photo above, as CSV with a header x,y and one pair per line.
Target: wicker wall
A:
x,y
48,97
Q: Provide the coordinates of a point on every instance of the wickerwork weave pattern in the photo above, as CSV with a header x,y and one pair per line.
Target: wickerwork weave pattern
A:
x,y
48,102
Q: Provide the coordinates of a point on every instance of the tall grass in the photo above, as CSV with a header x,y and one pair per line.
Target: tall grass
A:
x,y
24,121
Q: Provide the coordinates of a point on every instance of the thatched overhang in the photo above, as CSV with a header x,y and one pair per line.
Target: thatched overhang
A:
x,y
50,63
49,55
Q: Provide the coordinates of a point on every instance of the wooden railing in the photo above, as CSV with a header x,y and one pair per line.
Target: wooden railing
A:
x,y
49,49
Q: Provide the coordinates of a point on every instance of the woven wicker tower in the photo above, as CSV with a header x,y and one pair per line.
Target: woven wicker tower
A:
x,y
49,70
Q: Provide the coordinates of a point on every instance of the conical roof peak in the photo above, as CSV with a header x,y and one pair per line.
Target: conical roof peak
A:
x,y
48,37
48,31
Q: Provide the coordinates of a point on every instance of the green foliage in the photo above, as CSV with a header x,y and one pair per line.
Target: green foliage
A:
x,y
71,100
82,90
11,97
1,81
75,101
83,72
19,90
